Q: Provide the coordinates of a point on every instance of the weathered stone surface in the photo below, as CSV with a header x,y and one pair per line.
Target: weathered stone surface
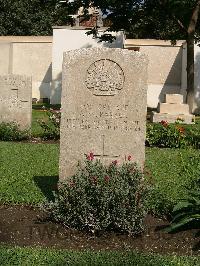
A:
x,y
174,98
173,108
103,106
172,118
16,100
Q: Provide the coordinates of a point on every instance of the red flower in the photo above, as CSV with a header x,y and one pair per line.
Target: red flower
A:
x,y
90,156
129,158
115,162
164,123
106,178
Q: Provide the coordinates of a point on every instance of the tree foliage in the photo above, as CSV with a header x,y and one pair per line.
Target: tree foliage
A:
x,y
158,19
31,17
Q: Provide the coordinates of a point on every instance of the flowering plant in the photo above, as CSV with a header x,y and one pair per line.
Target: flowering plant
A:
x,y
51,128
12,132
166,135
100,197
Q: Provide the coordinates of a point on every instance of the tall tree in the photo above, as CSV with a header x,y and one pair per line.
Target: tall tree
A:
x,y
159,19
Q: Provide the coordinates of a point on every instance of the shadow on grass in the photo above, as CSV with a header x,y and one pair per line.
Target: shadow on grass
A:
x,y
47,184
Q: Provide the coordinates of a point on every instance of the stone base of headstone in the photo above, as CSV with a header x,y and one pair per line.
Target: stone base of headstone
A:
x,y
173,110
186,119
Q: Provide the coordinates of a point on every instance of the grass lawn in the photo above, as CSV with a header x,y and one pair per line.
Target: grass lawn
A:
x,y
36,256
172,172
36,129
39,114
28,172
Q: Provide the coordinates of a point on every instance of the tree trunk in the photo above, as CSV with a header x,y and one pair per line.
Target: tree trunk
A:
x,y
190,56
190,71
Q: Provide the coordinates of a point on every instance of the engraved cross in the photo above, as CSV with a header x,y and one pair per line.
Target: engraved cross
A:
x,y
104,155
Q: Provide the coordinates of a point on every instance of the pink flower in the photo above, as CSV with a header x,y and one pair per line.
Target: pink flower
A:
x,y
115,162
129,158
90,156
106,178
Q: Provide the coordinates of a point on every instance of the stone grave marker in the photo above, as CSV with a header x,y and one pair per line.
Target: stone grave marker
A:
x,y
173,110
16,100
104,98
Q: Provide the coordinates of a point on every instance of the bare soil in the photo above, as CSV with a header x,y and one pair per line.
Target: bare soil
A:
x,y
29,226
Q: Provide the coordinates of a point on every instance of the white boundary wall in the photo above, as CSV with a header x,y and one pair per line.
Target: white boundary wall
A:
x,y
66,39
30,56
165,67
33,56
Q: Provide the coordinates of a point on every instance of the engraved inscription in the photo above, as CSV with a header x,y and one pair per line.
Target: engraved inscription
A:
x,y
104,78
10,102
13,82
106,118
15,99
84,124
10,91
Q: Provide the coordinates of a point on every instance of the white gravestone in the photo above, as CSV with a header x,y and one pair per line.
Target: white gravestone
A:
x,y
104,98
16,100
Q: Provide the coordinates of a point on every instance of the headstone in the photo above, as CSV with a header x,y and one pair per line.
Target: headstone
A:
x,y
16,100
103,107
173,110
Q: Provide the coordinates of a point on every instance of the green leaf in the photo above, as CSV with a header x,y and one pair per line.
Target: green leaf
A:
x,y
176,226
181,206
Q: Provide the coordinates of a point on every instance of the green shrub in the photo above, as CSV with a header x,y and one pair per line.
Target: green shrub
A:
x,y
166,135
186,214
101,197
51,128
11,131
